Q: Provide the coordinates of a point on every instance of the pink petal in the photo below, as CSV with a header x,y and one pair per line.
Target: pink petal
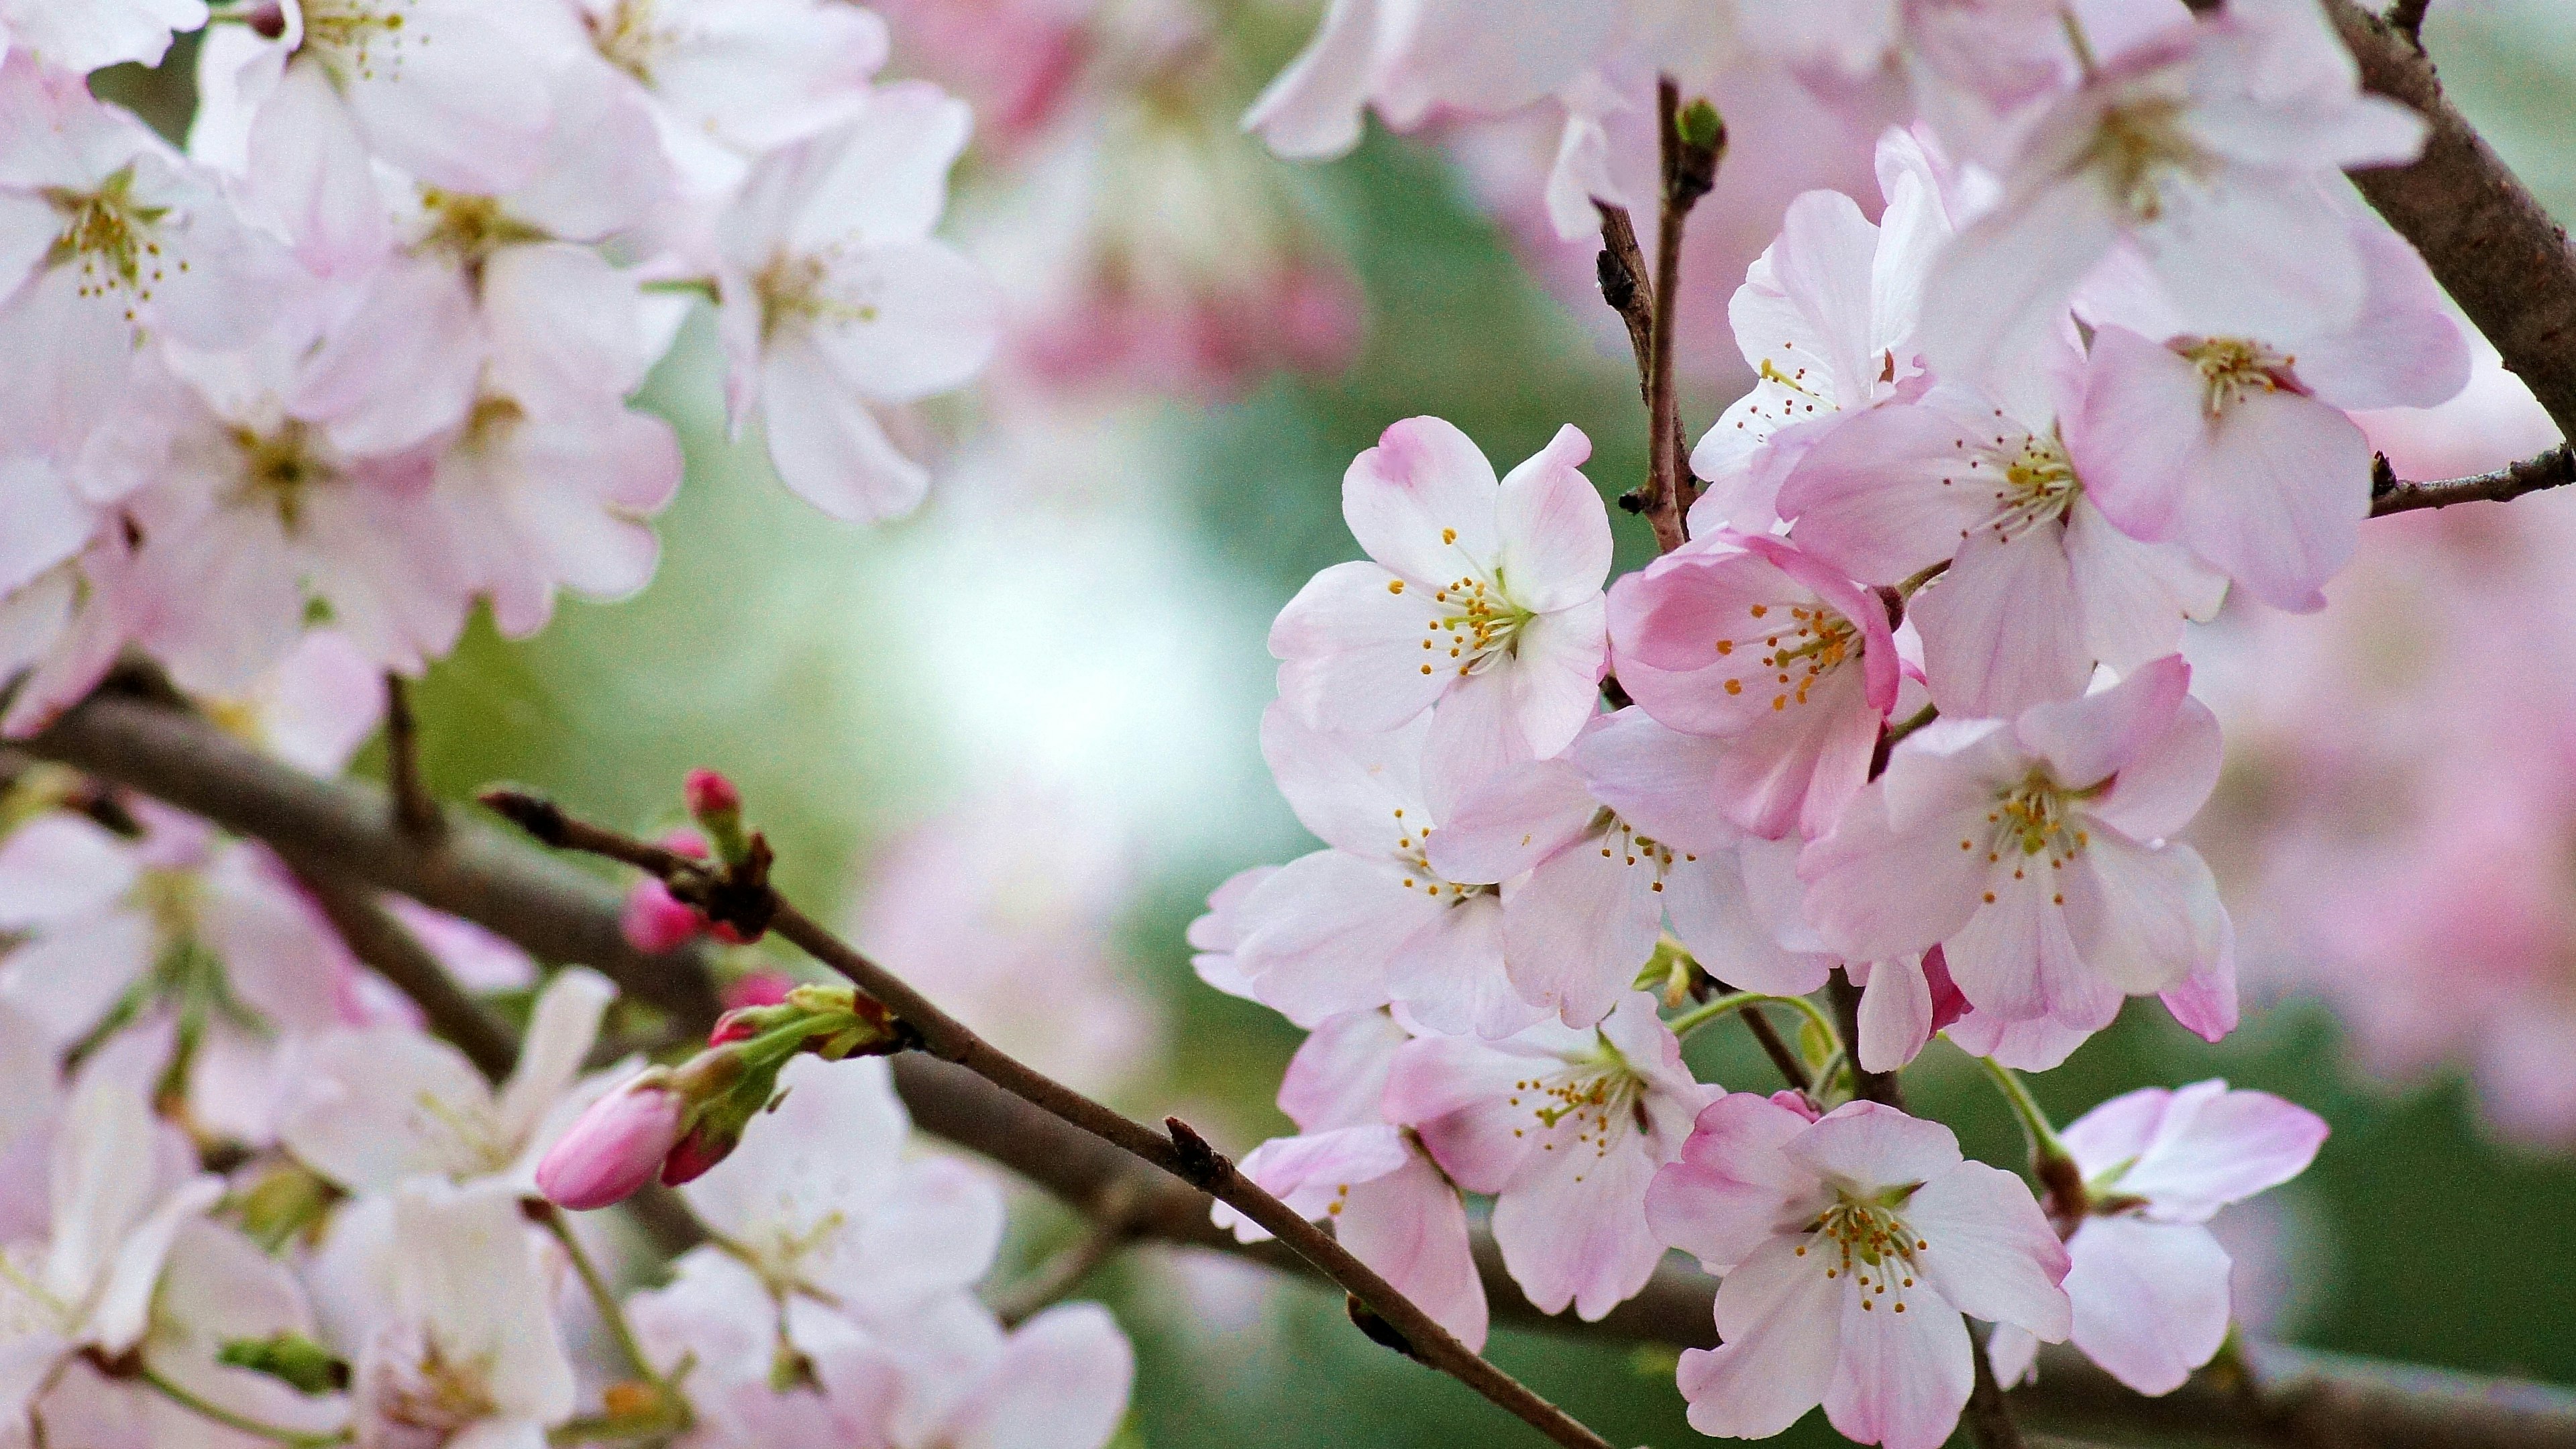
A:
x,y
2150,1299
1554,535
2276,496
1871,1146
1993,1253
1350,650
1358,791
2001,630
1659,780
1883,494
1733,1189
1422,503
1512,820
1321,934
2085,741
1780,1316
1903,1377
1338,1076
1576,930
1412,1228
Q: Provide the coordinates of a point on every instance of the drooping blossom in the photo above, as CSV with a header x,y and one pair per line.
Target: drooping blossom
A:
x,y
1850,1246
375,1108
2149,1282
2036,853
463,1349
2205,145
1480,602
2035,585
1598,848
1387,1200
837,300
2237,446
1826,320
1368,920
1565,1128
107,238
1747,639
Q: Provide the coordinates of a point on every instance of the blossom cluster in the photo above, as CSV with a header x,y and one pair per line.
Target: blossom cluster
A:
x,y
1908,706
360,351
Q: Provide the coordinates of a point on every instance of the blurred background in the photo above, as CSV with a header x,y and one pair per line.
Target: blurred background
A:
x,y
1012,740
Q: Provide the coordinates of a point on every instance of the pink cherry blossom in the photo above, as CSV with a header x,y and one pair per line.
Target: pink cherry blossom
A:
x,y
2035,584
539,504
464,1344
1597,849
1368,919
1850,1249
2234,444
1826,320
2149,1282
1480,601
106,238
2035,852
1750,640
1215,936
1404,60
1565,1128
1960,66
88,35
836,299
1387,1200
2207,147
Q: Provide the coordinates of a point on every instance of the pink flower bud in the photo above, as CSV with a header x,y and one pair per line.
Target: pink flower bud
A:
x,y
709,793
653,922
1948,1005
614,1147
740,1024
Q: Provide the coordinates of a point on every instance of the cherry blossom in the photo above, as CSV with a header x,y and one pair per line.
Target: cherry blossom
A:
x,y
119,1187
1850,1247
1388,1201
2235,445
836,299
2149,1283
1750,640
375,1108
1217,935
1597,849
536,505
1368,919
1963,67
464,1348
1948,848
107,238
2202,144
1404,59
1565,1128
87,35
1826,320
2035,585
1481,602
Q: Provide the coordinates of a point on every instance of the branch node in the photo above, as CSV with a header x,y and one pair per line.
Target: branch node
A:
x,y
1201,1165
543,820
1379,1331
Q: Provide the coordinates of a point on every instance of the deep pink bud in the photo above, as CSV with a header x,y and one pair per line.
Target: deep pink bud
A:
x,y
738,1024
709,793
690,1158
614,1147
1947,1004
758,988
653,922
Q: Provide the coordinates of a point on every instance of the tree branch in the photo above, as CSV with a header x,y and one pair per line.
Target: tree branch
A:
x,y
2486,237
746,900
566,915
2553,469
415,809
380,941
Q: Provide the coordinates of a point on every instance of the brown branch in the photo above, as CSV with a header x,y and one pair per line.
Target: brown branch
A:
x,y
2553,469
561,914
2406,17
380,941
415,809
1989,1419
1110,1228
2486,237
751,904
1689,169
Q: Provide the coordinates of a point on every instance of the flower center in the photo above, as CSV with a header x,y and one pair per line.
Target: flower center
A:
x,y
432,1400
2143,155
279,467
111,240
2231,367
2031,480
1476,623
469,227
1411,843
359,39
1796,647
1863,1240
2032,819
629,40
1619,842
805,289
1597,1094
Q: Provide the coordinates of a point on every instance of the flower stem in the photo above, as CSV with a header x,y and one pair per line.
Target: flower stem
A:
x,y
613,1314
1710,1010
2055,1166
238,1423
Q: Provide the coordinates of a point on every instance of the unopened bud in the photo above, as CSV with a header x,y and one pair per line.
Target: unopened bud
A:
x,y
292,1359
615,1146
740,1024
717,807
767,987
706,1145
653,922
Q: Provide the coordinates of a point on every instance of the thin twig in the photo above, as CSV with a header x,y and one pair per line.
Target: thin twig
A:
x,y
415,809
1866,1086
1989,1419
380,941
2406,17
753,905
2553,469
1688,170
1782,1055
1109,1231
1630,291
